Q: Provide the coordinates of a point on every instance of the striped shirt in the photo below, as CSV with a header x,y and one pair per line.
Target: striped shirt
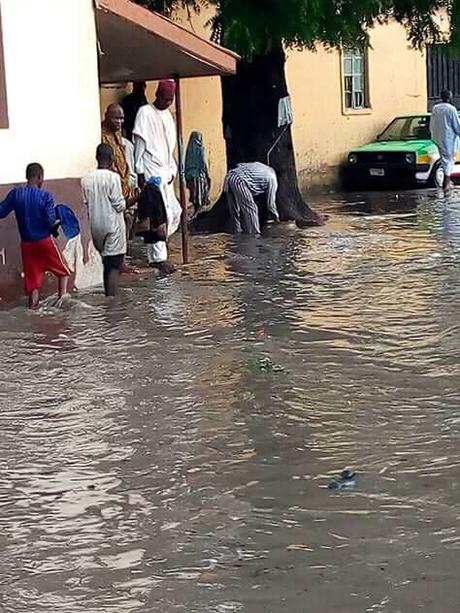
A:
x,y
260,179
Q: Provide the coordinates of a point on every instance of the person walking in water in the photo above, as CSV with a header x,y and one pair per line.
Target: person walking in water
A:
x,y
37,223
242,185
445,131
102,193
155,140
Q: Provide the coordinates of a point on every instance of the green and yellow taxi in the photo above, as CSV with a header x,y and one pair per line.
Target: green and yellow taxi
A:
x,y
403,155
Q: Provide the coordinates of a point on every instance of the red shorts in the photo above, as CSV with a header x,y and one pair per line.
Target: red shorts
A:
x,y
39,257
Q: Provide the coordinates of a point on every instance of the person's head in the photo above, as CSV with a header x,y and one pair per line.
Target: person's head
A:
x,y
165,94
35,174
446,95
196,138
104,156
139,88
114,118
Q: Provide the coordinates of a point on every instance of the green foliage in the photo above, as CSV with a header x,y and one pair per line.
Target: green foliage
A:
x,y
264,365
257,26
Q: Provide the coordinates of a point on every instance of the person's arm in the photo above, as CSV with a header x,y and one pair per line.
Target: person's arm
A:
x,y
133,200
7,206
116,197
84,197
455,121
50,213
140,147
139,150
271,196
129,149
173,167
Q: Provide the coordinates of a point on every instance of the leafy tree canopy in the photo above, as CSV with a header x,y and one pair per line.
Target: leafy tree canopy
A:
x,y
257,26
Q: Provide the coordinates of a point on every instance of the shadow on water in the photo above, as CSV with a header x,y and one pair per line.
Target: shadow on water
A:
x,y
146,466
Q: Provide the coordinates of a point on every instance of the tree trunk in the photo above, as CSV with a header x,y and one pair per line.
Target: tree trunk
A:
x,y
250,123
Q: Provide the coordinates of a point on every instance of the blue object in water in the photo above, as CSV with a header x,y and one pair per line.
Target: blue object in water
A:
x,y
347,480
69,221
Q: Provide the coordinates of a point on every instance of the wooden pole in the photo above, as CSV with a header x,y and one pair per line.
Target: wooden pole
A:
x,y
182,186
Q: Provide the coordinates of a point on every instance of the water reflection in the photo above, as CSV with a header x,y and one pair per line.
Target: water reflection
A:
x,y
145,467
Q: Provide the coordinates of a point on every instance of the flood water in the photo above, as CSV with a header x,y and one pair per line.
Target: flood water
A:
x,y
147,465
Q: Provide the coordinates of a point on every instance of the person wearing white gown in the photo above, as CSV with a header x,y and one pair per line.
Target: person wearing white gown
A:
x,y
445,131
155,140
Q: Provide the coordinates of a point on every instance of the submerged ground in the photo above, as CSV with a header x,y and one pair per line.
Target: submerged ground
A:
x,y
148,465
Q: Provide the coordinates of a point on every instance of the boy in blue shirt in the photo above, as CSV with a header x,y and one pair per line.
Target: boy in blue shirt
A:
x,y
37,222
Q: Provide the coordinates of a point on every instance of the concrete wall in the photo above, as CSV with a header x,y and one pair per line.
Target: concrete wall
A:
x,y
323,132
52,87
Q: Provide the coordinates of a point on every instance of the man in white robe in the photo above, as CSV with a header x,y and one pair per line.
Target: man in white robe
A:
x,y
445,131
155,140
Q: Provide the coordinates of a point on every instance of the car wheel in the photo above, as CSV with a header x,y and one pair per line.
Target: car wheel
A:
x,y
437,175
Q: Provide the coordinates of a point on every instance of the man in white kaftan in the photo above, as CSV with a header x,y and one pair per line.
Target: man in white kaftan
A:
x,y
445,131
155,140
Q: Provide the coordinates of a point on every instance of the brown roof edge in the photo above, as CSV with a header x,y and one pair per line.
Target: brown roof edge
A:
x,y
209,52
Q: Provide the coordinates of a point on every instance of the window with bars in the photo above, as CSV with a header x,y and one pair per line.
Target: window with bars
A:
x,y
354,72
443,72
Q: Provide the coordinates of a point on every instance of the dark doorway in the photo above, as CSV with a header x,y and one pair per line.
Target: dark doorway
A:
x,y
443,72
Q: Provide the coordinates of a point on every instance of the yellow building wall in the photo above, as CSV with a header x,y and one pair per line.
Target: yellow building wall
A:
x,y
323,132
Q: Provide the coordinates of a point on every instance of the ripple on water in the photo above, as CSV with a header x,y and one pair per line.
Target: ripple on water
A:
x,y
145,467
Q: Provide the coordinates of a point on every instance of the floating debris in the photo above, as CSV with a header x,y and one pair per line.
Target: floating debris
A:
x,y
346,480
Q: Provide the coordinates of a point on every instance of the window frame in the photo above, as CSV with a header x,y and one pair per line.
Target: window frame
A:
x,y
352,53
4,118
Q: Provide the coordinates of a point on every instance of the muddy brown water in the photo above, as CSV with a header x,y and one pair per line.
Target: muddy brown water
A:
x,y
145,466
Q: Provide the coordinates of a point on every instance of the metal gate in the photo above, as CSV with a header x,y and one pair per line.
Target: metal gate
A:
x,y
443,72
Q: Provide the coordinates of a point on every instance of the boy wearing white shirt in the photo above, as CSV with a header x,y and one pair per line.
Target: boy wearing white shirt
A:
x,y
102,193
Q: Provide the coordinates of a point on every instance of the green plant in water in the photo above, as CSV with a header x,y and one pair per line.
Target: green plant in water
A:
x,y
264,365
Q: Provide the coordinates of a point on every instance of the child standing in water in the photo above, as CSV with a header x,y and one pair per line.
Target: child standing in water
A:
x,y
37,223
103,195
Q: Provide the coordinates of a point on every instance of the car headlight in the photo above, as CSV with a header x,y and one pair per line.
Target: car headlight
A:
x,y
410,158
426,158
352,158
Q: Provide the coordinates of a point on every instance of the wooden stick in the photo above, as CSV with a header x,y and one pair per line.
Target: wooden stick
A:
x,y
182,186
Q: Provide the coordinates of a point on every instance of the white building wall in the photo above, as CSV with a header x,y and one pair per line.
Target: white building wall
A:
x,y
51,71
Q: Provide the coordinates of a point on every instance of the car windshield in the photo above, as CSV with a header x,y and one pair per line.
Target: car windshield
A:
x,y
407,128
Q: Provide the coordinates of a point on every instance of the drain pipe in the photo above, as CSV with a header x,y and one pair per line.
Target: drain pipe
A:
x,y
183,195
